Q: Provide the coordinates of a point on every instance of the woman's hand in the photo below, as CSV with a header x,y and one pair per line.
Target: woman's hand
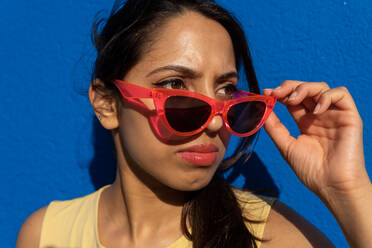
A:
x,y
328,155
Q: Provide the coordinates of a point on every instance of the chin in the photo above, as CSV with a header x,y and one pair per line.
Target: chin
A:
x,y
192,184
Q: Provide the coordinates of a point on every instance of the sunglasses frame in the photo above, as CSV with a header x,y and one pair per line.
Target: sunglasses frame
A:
x,y
160,95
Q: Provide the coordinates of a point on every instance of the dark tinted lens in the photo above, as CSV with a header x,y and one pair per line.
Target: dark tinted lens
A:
x,y
185,114
244,117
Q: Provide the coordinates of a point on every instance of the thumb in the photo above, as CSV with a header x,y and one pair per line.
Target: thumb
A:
x,y
279,134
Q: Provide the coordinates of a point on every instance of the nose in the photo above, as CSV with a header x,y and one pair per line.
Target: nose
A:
x,y
217,122
215,125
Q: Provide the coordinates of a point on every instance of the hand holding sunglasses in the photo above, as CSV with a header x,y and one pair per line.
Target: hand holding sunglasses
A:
x,y
187,113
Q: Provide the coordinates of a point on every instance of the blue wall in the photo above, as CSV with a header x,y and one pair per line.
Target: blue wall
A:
x,y
47,146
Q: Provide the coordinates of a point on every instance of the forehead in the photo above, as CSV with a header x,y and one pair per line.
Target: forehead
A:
x,y
192,40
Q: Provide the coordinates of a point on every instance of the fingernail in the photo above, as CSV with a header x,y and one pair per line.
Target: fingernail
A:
x,y
268,91
292,96
316,110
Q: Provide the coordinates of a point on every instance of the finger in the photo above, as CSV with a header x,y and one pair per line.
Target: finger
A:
x,y
309,104
307,91
267,92
297,111
278,133
287,88
338,97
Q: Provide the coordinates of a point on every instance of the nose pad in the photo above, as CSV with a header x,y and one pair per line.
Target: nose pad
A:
x,y
216,124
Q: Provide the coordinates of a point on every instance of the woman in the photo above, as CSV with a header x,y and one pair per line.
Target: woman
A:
x,y
182,56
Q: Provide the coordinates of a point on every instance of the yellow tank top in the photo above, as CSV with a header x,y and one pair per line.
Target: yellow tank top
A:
x,y
73,223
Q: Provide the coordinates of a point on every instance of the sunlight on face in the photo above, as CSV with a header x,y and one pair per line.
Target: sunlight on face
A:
x,y
190,52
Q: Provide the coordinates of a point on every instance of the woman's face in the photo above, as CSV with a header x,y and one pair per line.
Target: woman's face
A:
x,y
189,52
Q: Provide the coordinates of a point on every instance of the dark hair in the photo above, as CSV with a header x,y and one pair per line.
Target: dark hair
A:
x,y
121,43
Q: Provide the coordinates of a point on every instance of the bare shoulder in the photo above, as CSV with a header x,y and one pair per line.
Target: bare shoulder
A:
x,y
286,228
29,234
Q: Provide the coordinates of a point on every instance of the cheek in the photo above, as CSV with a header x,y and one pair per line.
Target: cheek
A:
x,y
158,159
138,138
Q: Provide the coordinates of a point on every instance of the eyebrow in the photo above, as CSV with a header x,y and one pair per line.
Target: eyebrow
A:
x,y
191,73
178,68
226,76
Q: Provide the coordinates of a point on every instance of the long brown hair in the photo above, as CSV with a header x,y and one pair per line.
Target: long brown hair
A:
x,y
213,213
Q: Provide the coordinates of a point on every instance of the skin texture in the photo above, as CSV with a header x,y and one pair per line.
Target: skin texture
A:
x,y
158,174
151,174
328,156
285,228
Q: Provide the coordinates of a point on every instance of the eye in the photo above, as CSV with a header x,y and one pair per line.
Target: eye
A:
x,y
227,91
174,83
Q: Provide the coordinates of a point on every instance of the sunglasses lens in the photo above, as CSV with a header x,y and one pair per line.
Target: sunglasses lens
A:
x,y
244,117
186,114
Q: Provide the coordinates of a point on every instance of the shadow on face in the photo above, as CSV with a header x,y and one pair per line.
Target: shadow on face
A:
x,y
189,52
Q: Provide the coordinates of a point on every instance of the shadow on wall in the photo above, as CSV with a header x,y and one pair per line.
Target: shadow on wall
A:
x,y
254,175
103,166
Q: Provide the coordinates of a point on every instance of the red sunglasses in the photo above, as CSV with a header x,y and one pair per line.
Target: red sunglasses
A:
x,y
187,113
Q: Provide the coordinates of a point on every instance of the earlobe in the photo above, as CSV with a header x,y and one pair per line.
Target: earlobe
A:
x,y
103,103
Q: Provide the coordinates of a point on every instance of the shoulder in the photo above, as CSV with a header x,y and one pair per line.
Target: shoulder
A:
x,y
42,224
29,234
285,227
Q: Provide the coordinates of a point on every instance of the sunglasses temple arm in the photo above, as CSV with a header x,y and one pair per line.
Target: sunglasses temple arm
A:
x,y
133,91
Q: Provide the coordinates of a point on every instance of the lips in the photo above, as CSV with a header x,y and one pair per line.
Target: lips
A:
x,y
199,155
201,148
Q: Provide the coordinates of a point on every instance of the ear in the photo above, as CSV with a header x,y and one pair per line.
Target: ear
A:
x,y
104,104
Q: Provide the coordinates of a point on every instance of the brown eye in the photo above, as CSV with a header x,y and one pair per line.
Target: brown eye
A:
x,y
176,84
227,91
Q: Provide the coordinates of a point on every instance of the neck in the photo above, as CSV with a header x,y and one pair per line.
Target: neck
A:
x,y
139,206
